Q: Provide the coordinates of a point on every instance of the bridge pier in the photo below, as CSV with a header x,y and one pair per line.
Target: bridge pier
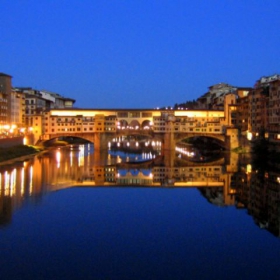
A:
x,y
100,141
232,138
168,150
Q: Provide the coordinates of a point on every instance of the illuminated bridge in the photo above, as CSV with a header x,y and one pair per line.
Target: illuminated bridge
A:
x,y
169,126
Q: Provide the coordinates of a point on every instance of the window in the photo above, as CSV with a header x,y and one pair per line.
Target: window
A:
x,y
147,115
122,114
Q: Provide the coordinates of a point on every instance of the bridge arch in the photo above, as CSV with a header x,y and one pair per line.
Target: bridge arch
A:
x,y
83,136
134,124
146,124
218,139
122,124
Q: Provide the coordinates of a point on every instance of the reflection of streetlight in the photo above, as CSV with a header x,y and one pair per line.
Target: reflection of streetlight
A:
x,y
249,135
249,168
58,158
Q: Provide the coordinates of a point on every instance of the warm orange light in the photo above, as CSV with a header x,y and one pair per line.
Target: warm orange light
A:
x,y
249,135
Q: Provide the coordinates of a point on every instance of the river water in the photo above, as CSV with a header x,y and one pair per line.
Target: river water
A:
x,y
76,214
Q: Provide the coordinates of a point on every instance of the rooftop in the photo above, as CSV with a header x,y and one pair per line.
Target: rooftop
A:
x,y
5,75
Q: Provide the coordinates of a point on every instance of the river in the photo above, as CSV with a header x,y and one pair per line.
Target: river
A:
x,y
72,213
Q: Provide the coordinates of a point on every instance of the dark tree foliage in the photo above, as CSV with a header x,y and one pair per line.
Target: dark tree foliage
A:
x,y
186,105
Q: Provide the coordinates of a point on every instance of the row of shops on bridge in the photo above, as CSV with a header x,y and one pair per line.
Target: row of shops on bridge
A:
x,y
83,122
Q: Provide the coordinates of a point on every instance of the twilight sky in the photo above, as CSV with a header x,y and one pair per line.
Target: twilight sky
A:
x,y
138,53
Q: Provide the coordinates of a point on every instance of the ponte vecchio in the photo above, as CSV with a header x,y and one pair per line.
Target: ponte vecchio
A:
x,y
100,126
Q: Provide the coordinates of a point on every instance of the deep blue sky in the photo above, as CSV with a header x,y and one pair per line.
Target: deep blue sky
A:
x,y
138,53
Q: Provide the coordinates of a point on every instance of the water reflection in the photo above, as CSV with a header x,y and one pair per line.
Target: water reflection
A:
x,y
228,181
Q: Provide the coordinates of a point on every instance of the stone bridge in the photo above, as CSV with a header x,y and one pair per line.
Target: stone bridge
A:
x,y
168,126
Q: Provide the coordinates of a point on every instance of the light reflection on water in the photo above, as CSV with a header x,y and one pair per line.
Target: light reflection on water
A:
x,y
228,183
131,157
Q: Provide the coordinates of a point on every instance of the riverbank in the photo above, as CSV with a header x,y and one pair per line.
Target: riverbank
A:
x,y
18,153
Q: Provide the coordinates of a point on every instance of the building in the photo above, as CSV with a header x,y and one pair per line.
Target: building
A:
x,y
242,109
17,106
263,108
3,110
257,110
273,128
38,101
59,102
21,112
5,95
214,98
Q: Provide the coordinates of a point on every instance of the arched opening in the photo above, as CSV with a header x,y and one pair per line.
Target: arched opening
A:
x,y
65,140
200,148
134,125
146,124
122,124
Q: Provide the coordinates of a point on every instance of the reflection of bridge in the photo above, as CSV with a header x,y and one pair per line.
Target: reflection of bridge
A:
x,y
159,174
34,179
169,126
219,182
63,169
196,176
